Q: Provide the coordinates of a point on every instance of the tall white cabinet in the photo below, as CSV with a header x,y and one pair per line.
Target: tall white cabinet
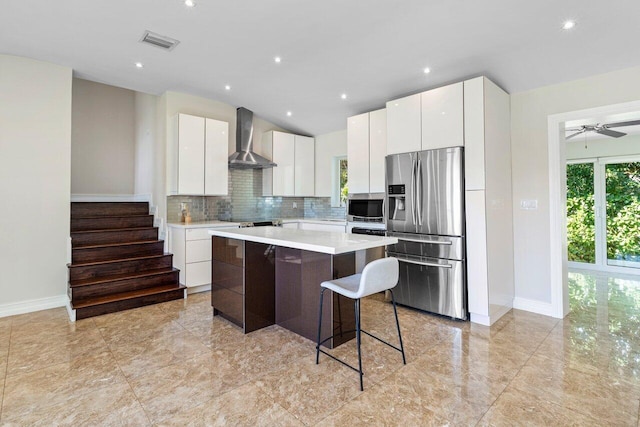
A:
x,y
197,157
489,215
366,150
295,157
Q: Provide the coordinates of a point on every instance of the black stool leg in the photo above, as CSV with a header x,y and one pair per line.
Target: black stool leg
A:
x,y
357,308
395,311
320,327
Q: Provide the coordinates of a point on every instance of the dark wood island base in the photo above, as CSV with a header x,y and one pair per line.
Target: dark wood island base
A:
x,y
255,285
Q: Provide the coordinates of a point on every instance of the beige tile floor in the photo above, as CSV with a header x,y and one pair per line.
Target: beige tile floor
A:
x,y
173,364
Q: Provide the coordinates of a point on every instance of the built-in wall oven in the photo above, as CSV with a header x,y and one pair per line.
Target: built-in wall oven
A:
x,y
365,215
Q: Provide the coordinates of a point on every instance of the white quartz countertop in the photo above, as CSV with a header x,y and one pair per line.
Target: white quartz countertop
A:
x,y
308,240
203,224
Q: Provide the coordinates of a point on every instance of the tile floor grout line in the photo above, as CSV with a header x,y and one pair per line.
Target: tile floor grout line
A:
x,y
123,374
518,372
6,371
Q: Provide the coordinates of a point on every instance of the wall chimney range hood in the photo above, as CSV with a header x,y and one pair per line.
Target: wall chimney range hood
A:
x,y
244,157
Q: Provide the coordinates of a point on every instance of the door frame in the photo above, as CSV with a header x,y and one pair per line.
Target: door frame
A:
x,y
558,198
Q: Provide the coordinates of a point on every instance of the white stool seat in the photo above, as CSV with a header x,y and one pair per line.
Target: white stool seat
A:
x,y
346,286
377,276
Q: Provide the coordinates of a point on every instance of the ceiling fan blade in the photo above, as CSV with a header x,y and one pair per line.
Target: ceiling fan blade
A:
x,y
620,124
575,129
576,134
609,132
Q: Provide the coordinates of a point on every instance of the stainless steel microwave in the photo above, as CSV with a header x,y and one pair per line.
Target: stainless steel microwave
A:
x,y
365,208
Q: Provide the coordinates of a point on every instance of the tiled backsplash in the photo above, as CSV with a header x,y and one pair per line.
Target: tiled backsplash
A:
x,y
245,201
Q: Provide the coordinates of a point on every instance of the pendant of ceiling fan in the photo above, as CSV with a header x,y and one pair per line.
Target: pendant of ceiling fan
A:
x,y
603,129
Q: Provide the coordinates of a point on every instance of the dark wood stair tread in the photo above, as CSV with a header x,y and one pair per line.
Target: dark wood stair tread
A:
x,y
85,264
113,230
115,277
107,245
122,296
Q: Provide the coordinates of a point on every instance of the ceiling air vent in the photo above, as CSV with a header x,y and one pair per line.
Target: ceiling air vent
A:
x,y
164,42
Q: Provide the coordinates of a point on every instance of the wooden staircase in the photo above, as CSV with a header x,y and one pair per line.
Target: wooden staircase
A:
x,y
117,261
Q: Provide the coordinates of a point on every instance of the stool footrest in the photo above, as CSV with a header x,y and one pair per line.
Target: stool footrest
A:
x,y
381,340
337,360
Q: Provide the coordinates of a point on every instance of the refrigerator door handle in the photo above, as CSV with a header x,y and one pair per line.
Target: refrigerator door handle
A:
x,y
413,183
426,264
419,190
433,242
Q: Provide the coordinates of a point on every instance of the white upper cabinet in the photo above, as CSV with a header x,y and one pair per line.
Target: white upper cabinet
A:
x,y
190,154
286,179
443,117
377,150
366,149
216,157
358,153
197,157
427,120
404,123
304,166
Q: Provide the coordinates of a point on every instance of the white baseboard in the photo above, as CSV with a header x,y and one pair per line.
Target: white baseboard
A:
x,y
30,306
196,289
111,197
70,311
480,319
538,307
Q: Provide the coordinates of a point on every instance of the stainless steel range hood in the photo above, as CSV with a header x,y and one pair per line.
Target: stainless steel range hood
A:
x,y
244,157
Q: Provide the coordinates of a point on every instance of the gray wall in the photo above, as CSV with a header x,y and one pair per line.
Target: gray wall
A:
x,y
103,139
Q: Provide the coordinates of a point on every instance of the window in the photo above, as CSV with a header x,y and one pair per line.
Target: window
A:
x,y
344,184
339,182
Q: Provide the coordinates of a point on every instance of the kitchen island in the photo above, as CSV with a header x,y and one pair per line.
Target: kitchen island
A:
x,y
266,275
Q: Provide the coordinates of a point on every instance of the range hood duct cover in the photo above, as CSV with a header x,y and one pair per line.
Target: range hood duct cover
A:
x,y
244,157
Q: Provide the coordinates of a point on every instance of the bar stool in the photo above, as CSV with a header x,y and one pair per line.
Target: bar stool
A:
x,y
377,276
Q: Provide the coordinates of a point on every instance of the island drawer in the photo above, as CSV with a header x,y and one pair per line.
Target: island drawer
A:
x,y
227,276
228,304
230,251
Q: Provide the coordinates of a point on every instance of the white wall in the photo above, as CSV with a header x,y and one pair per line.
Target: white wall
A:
x,y
603,147
530,166
328,147
35,164
146,107
102,139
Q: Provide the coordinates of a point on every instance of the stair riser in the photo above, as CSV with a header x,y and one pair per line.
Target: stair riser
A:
x,y
112,307
79,209
83,238
121,267
86,224
108,288
83,255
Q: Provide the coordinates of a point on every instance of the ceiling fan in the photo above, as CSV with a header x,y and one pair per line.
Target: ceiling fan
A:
x,y
603,129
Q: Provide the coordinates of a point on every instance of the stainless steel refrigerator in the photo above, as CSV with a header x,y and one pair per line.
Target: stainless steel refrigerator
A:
x,y
425,211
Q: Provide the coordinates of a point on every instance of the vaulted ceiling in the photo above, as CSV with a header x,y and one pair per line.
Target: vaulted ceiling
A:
x,y
370,50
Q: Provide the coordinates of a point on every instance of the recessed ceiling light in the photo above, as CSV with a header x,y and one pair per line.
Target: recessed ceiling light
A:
x,y
427,70
139,65
277,59
289,113
343,96
189,3
227,87
568,25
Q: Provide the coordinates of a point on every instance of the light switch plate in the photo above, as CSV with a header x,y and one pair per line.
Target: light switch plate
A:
x,y
529,204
